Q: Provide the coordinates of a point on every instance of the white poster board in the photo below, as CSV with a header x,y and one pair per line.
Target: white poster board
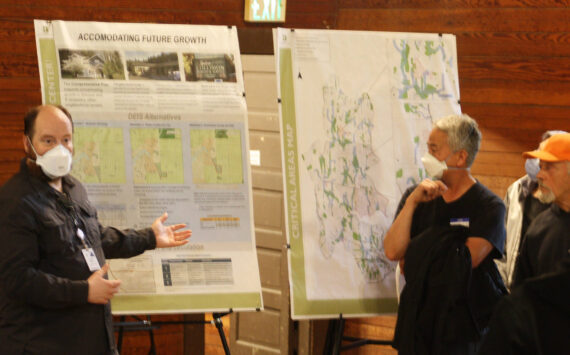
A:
x,y
161,125
356,110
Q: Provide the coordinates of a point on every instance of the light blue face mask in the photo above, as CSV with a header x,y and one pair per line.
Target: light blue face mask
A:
x,y
532,168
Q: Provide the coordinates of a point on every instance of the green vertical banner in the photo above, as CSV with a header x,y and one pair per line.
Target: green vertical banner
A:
x,y
293,197
50,73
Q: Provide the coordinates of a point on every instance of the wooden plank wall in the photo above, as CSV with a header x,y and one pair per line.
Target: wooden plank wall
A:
x,y
513,57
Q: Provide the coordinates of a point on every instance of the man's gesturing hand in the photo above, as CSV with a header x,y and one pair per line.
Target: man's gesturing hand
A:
x,y
169,236
101,290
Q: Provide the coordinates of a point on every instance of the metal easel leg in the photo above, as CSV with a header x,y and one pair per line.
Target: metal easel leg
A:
x,y
220,326
334,336
152,350
120,337
338,336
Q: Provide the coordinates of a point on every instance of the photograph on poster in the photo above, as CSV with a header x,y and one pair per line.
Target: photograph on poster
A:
x,y
152,66
209,67
86,64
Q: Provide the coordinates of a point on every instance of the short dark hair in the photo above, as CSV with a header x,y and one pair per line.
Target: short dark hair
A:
x,y
32,114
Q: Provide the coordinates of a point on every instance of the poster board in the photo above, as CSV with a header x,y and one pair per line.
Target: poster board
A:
x,y
356,109
161,125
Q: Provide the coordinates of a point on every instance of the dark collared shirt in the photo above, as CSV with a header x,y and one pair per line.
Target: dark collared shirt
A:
x,y
546,243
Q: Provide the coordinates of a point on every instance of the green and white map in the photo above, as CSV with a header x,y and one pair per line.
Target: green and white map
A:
x,y
216,156
99,157
157,156
345,193
424,79
357,109
423,69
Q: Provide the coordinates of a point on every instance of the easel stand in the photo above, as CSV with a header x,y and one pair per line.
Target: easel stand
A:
x,y
333,342
147,325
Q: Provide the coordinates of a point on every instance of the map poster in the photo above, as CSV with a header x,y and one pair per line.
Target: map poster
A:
x,y
161,126
356,111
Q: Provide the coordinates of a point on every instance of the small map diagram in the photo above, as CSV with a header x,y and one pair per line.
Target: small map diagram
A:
x,y
424,87
216,156
418,119
423,70
157,156
99,157
351,213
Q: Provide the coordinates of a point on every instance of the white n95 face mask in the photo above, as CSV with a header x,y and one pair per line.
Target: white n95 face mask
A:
x,y
56,162
434,167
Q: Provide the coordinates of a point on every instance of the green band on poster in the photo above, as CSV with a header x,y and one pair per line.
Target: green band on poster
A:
x,y
289,130
127,304
50,72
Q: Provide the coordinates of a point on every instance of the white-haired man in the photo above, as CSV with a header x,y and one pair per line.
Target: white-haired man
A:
x,y
456,264
524,201
547,240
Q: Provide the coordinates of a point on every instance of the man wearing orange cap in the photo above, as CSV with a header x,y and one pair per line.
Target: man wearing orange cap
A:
x,y
534,319
547,240
524,202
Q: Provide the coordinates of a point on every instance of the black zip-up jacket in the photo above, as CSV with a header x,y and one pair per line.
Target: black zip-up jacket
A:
x,y
435,308
534,319
43,274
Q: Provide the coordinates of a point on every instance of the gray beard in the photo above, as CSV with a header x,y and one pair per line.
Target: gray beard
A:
x,y
545,197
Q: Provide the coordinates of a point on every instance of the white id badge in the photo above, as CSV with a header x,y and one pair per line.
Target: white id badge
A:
x,y
459,222
91,259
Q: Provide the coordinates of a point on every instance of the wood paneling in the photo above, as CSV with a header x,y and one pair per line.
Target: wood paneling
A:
x,y
168,335
449,20
513,44
378,328
516,92
549,69
270,211
426,4
260,327
535,118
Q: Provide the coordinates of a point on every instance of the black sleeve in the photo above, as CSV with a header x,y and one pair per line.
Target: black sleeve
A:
x,y
126,243
20,259
490,223
523,265
115,243
405,195
509,332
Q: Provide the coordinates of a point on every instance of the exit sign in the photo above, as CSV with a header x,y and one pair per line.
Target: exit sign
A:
x,y
265,10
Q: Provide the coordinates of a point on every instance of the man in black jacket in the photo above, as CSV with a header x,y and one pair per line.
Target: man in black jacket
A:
x,y
534,319
433,309
54,294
